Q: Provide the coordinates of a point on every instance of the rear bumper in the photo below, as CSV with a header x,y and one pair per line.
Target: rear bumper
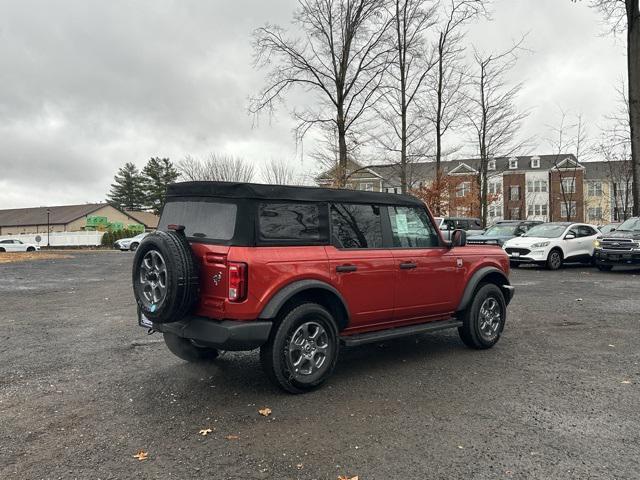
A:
x,y
222,334
604,257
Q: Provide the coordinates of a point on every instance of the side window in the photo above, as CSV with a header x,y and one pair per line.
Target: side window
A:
x,y
449,225
462,224
585,231
289,221
356,226
411,227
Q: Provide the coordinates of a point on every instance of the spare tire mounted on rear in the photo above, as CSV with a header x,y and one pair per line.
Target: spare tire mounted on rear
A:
x,y
165,277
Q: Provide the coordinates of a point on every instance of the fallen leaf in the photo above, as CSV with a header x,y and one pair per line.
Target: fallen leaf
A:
x,y
611,345
344,477
265,412
299,466
626,382
232,437
205,431
578,299
141,455
460,446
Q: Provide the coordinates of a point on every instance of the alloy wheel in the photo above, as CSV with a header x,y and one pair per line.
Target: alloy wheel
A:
x,y
308,350
490,318
153,278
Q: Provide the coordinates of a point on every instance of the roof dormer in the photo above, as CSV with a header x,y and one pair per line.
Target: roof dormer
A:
x,y
513,163
535,162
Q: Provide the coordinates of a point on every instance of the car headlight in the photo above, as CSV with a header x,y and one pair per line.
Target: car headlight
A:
x,y
540,245
596,243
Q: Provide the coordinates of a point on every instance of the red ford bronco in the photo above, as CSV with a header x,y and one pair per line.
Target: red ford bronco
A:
x,y
300,272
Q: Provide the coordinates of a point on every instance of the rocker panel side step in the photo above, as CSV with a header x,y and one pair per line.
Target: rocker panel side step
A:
x,y
391,333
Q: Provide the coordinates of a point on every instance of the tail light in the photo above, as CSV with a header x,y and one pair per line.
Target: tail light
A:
x,y
237,281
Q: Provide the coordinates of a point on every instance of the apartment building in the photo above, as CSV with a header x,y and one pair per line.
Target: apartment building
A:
x,y
537,187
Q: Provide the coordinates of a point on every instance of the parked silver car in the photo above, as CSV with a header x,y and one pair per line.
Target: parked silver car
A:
x,y
132,244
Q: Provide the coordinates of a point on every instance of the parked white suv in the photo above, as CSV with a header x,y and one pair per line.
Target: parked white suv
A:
x,y
552,244
14,245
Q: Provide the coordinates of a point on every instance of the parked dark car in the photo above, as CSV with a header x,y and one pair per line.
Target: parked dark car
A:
x,y
608,228
620,247
502,231
473,226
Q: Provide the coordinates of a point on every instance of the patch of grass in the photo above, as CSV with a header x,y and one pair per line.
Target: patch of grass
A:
x,y
13,257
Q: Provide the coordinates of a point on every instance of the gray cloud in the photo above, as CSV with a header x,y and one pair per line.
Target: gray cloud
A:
x,y
86,86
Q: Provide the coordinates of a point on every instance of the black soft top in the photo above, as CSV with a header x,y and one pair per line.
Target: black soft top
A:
x,y
280,192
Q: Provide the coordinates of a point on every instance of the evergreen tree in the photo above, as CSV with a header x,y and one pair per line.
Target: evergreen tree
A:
x,y
157,174
126,190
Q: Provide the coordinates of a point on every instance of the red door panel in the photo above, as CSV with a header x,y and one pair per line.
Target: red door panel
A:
x,y
365,279
427,282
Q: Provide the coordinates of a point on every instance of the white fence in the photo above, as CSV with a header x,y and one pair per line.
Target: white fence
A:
x,y
60,239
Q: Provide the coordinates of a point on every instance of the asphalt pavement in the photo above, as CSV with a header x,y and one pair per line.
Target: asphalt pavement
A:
x,y
83,389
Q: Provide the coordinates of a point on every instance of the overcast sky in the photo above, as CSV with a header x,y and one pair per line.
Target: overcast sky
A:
x,y
88,85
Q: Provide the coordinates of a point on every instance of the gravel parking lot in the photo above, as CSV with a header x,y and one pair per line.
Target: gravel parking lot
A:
x,y
82,389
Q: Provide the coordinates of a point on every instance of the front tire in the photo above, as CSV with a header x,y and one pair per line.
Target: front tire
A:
x,y
484,319
554,260
187,350
133,247
302,350
31,249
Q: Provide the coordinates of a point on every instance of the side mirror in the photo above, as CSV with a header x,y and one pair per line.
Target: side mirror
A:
x,y
569,236
458,238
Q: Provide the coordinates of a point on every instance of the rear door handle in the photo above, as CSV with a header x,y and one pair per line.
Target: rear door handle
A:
x,y
407,265
346,268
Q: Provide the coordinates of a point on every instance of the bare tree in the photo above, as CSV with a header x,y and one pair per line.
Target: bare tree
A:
x,y
341,59
280,172
403,126
566,138
623,16
217,167
446,95
492,114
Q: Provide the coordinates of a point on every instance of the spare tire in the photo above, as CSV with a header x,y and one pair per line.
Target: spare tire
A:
x,y
165,277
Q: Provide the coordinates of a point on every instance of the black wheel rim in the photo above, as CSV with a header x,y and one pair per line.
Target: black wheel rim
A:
x,y
555,260
308,351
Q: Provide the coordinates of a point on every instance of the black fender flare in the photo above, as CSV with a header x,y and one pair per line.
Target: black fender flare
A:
x,y
273,306
498,277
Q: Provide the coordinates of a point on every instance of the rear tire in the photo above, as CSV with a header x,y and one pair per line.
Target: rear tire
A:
x,y
187,350
554,260
302,349
2,249
133,247
604,268
483,321
31,249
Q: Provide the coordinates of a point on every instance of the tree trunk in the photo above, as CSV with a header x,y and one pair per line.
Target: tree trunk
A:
x,y
633,62
342,150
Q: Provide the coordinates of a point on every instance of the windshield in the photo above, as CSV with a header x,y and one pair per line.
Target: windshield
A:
x,y
548,230
501,230
140,236
631,225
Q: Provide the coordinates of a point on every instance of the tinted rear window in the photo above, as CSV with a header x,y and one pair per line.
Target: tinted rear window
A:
x,y
356,226
201,219
289,221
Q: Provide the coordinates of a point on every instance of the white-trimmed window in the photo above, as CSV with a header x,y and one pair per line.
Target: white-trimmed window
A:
x,y
513,163
567,207
494,188
569,185
594,189
514,213
463,189
367,186
494,211
491,165
536,186
537,210
535,162
595,213
514,193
